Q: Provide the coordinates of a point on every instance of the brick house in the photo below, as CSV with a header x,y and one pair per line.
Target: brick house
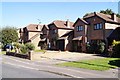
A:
x,y
31,33
94,27
56,30
44,36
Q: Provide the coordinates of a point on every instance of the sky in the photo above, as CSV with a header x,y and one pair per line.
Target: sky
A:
x,y
21,14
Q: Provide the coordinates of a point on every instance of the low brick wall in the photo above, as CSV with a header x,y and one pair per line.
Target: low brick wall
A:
x,y
25,56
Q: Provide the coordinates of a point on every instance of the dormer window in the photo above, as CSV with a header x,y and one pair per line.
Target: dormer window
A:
x,y
97,26
79,28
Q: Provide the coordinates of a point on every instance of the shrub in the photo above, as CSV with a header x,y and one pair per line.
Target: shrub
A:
x,y
101,47
16,45
30,46
43,45
91,47
96,47
23,49
116,48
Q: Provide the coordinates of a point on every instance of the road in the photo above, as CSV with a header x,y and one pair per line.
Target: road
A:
x,y
13,67
10,71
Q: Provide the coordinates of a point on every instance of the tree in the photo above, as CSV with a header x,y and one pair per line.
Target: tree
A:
x,y
107,11
8,35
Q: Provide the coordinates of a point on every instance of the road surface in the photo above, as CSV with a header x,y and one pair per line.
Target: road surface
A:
x,y
13,67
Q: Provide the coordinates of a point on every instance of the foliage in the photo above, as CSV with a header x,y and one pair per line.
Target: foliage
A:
x,y
92,47
107,11
16,45
96,47
8,35
23,49
101,47
43,45
116,48
115,43
30,46
93,64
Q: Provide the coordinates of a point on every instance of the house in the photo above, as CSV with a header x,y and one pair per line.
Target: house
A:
x,y
93,28
64,43
58,29
31,33
80,35
44,36
115,35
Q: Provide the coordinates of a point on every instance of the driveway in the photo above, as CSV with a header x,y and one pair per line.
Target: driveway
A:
x,y
53,57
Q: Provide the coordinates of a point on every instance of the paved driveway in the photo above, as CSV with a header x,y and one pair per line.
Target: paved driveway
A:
x,y
53,57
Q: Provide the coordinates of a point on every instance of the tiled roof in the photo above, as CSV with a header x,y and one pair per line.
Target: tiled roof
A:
x,y
77,38
34,27
46,26
62,24
115,34
106,17
83,20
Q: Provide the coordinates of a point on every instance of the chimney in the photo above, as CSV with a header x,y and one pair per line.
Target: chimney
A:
x,y
95,13
68,23
113,16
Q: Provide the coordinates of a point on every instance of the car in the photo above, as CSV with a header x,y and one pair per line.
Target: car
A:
x,y
8,46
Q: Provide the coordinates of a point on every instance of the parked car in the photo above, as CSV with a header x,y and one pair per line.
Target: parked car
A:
x,y
8,46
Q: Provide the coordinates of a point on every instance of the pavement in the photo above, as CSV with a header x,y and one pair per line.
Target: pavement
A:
x,y
46,61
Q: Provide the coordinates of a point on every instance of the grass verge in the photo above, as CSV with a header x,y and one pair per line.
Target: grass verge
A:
x,y
2,52
95,64
39,50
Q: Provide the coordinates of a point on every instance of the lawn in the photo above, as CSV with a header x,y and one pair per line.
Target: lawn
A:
x,y
39,50
95,64
2,52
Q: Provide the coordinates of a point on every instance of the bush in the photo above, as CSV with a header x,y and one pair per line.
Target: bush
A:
x,y
30,46
101,47
16,45
23,49
96,47
116,49
43,45
91,47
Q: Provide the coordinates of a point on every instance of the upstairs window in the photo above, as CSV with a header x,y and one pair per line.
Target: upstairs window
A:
x,y
98,26
79,28
54,31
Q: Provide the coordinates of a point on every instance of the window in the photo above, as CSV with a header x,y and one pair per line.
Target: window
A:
x,y
98,26
54,31
79,28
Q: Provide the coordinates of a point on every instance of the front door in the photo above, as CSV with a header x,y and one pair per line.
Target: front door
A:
x,y
60,45
77,46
